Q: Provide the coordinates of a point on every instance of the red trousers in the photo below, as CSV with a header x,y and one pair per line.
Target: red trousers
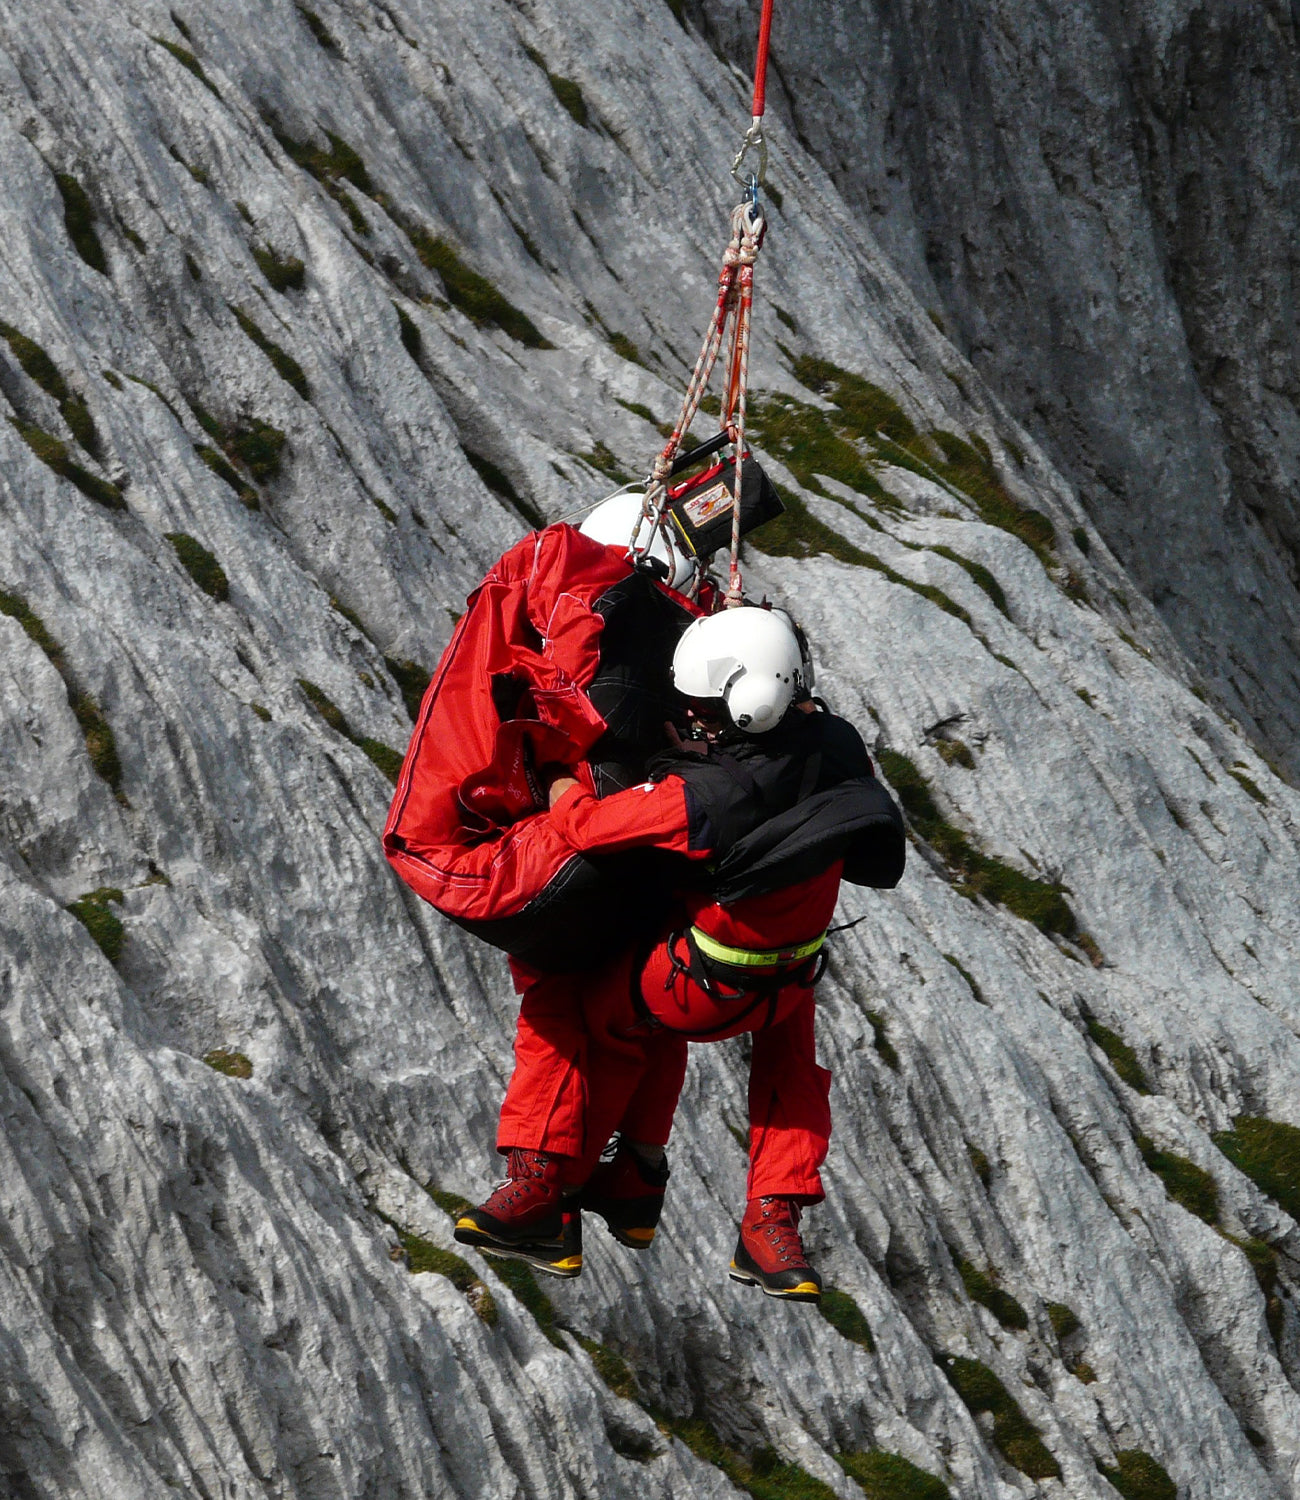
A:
x,y
588,1063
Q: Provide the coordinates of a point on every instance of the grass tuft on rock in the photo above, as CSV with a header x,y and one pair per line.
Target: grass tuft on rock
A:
x,y
331,168
1064,1320
626,349
523,1283
884,1048
259,447
981,1287
187,60
864,409
979,874
79,221
388,760
1268,1152
799,533
1014,1435
1120,1056
765,1476
846,1317
228,475
1137,1476
100,743
284,274
317,28
410,335
424,1257
979,575
200,564
570,96
412,681
890,1476
1186,1183
1248,786
613,1369
500,486
970,469
286,366
473,294
53,453
39,367
94,913
452,1204
232,1064
955,753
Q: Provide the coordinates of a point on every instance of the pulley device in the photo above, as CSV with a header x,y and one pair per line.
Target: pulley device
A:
x,y
703,500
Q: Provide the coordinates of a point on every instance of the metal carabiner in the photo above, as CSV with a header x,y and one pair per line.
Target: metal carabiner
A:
x,y
754,141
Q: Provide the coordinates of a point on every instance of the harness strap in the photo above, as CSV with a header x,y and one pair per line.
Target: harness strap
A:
x,y
750,958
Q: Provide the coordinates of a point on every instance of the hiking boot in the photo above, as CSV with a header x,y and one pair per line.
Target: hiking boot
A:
x,y
769,1252
555,1258
628,1194
524,1209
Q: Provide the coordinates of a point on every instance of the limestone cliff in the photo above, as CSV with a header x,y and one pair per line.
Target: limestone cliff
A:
x,y
307,314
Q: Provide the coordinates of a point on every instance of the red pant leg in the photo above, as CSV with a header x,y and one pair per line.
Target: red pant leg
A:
x,y
545,1104
789,1111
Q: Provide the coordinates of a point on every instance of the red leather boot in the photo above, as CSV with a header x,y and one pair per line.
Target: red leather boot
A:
x,y
769,1253
526,1218
628,1193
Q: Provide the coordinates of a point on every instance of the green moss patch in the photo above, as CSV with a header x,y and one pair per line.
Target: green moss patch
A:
x,y
1248,786
100,743
228,475
412,341
1184,1181
966,975
53,453
626,349
846,1317
613,1369
412,680
38,365
473,294
799,533
286,366
864,409
1137,1476
639,410
79,221
200,564
188,61
331,168
979,874
810,441
981,1287
1268,1152
388,760
969,468
880,1040
521,1281
500,486
259,447
979,575
424,1257
890,1476
94,913
1065,1320
570,96
1120,1056
452,1204
765,1476
955,753
317,28
232,1064
1014,1435
284,273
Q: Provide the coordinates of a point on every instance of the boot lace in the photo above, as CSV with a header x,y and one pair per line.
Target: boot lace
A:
x,y
779,1225
523,1169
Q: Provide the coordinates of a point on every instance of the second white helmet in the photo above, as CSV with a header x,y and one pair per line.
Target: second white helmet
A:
x,y
612,521
750,658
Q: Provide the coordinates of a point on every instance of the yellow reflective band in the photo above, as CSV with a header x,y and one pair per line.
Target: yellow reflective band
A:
x,y
749,958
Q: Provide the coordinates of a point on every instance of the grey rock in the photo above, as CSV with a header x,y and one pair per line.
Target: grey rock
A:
x,y
200,1287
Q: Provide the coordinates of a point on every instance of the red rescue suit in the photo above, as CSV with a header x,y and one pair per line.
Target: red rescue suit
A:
x,y
606,1051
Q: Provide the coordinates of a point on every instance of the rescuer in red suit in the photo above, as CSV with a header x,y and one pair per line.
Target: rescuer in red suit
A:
x,y
773,801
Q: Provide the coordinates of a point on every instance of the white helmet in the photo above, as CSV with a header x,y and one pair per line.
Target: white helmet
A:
x,y
749,657
612,521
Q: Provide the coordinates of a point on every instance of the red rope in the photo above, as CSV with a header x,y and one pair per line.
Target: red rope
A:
x,y
760,62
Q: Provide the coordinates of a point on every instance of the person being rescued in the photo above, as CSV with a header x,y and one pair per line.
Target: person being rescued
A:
x,y
769,801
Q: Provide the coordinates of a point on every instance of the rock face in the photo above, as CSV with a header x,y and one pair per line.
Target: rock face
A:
x,y
1099,200
307,315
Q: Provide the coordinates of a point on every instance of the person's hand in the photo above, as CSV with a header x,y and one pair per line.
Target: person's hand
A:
x,y
557,788
691,747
